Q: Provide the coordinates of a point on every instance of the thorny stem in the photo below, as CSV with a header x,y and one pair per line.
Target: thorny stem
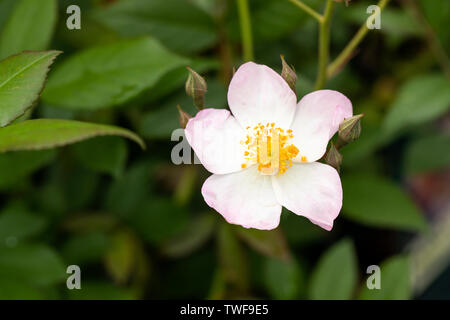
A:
x,y
246,30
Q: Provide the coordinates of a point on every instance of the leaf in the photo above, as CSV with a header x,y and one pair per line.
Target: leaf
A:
x,y
127,192
6,7
157,220
419,100
428,153
186,29
120,258
283,279
335,276
395,281
22,79
85,248
50,133
160,123
177,77
269,243
11,289
34,264
110,74
264,26
105,155
29,27
301,232
16,166
195,235
376,201
18,224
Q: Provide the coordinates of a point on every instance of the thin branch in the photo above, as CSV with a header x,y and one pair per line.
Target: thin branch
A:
x,y
345,55
313,13
246,30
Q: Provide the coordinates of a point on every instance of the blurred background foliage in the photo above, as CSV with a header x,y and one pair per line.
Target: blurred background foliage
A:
x,y
137,225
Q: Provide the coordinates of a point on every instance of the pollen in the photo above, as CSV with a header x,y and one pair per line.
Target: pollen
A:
x,y
268,147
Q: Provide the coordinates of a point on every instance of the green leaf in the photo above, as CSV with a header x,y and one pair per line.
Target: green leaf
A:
x,y
50,133
283,279
22,79
186,29
177,78
335,276
301,232
419,100
18,224
395,281
16,166
269,243
109,75
265,26
195,235
160,123
105,155
157,220
34,264
29,27
376,201
12,289
127,192
120,259
85,248
427,153
6,7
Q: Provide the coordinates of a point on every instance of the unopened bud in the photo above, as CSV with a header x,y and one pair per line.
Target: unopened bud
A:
x,y
288,74
183,117
333,157
350,129
196,88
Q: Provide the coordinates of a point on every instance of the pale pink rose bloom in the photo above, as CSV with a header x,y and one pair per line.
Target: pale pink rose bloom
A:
x,y
248,188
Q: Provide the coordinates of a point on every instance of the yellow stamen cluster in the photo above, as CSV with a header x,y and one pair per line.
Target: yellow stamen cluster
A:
x,y
267,146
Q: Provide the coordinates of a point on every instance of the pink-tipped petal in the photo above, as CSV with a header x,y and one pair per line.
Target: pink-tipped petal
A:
x,y
312,190
216,137
257,94
245,198
317,119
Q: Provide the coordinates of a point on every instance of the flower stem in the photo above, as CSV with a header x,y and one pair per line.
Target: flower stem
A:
x,y
346,54
246,30
307,9
324,45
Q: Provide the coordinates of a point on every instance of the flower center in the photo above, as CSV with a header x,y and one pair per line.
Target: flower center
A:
x,y
268,146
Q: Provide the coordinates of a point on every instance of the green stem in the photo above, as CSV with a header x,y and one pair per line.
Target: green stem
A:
x,y
346,54
246,30
324,45
313,13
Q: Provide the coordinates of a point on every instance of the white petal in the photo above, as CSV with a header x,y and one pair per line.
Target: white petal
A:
x,y
317,119
216,137
312,190
245,198
257,94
